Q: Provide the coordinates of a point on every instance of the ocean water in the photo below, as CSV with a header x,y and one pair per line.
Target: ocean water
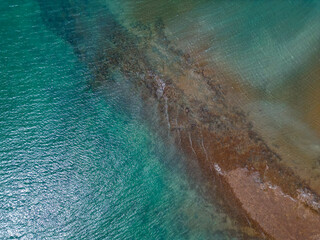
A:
x,y
78,163
77,158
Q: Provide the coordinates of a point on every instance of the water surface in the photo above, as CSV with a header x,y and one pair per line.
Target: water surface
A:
x,y
77,163
81,156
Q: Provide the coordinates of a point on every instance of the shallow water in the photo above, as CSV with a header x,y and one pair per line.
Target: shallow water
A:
x,y
80,155
267,49
78,163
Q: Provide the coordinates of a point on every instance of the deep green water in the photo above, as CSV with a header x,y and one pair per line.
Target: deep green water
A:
x,y
77,163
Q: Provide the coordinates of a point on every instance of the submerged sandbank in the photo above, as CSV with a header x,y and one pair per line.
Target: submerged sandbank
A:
x,y
206,113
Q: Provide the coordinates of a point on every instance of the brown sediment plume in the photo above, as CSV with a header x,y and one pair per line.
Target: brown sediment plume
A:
x,y
200,109
302,92
289,125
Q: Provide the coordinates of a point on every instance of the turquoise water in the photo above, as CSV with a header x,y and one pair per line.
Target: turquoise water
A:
x,y
77,163
76,160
